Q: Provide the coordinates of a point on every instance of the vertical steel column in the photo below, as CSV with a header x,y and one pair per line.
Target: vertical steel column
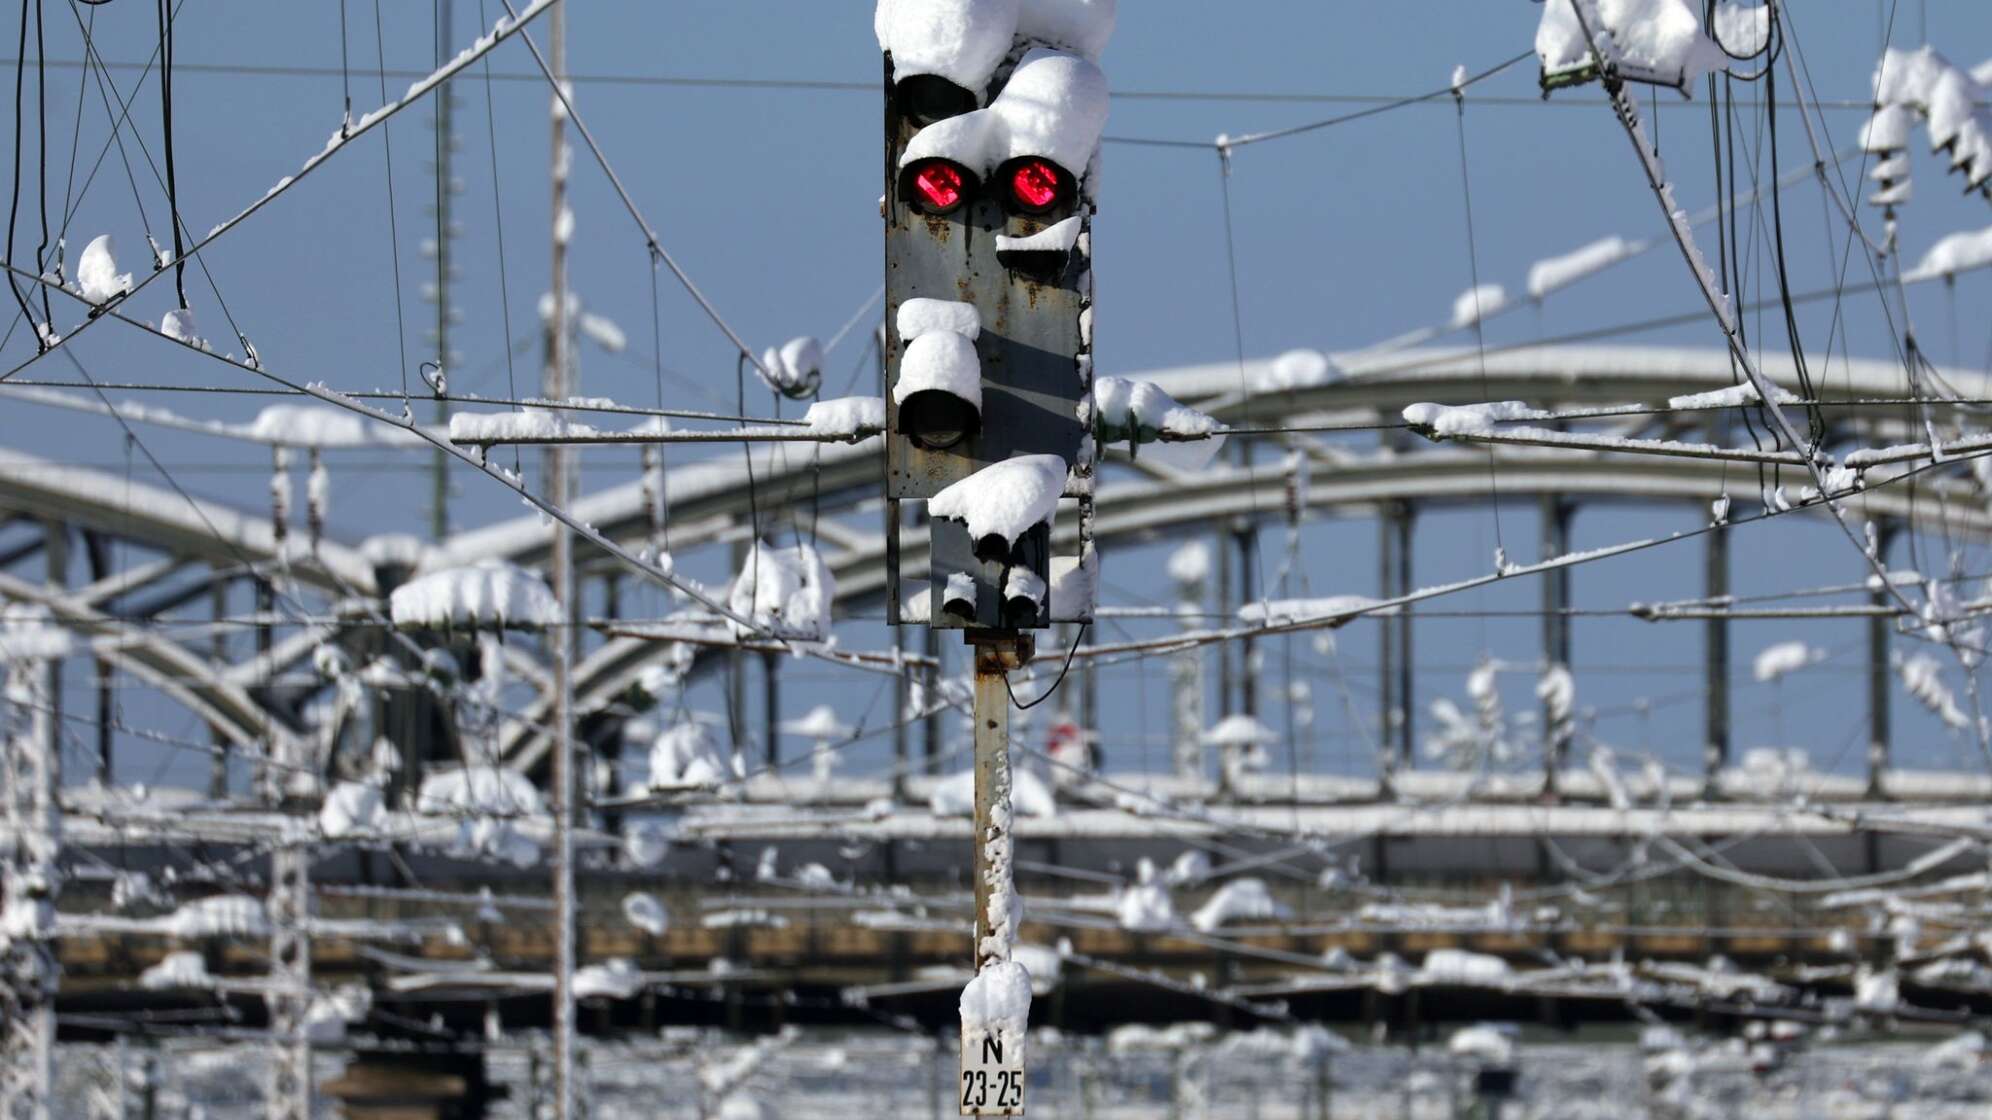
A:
x,y
98,550
266,605
1089,703
1407,662
1396,723
771,701
1555,519
736,667
1715,656
1246,537
218,645
1186,676
445,100
558,489
1388,702
1226,656
1879,671
930,724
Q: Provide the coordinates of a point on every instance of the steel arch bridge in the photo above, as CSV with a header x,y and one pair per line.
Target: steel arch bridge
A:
x,y
176,550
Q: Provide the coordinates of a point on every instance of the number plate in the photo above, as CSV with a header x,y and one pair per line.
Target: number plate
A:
x,y
992,1074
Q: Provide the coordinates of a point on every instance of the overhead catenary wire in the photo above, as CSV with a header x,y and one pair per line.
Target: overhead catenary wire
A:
x,y
366,124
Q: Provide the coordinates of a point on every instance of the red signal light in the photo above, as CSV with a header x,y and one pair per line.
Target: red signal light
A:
x,y
1036,185
938,186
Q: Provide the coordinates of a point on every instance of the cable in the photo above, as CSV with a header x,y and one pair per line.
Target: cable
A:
x,y
629,204
498,232
41,141
1473,274
393,229
1046,694
14,207
1360,114
378,117
166,128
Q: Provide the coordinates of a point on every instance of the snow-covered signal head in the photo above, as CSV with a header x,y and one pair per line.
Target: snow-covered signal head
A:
x,y
994,111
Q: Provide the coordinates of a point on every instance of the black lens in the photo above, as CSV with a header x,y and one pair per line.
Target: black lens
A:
x,y
937,420
926,98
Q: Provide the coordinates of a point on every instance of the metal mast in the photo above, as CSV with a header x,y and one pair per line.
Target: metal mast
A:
x,y
558,489
439,288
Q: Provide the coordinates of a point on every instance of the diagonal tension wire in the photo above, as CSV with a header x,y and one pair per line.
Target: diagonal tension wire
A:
x,y
629,204
1374,110
479,49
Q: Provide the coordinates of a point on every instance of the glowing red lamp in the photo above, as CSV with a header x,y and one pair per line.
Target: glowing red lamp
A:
x,y
1036,186
938,186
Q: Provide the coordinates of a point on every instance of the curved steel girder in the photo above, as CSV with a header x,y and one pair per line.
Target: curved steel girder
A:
x,y
1144,511
599,679
161,518
184,677
706,498
710,498
1138,512
1382,385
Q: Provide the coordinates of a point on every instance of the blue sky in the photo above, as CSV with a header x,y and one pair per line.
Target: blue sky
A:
x,y
768,197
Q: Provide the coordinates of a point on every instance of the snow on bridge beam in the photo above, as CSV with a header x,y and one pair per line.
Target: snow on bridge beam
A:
x,y
162,518
187,678
1570,375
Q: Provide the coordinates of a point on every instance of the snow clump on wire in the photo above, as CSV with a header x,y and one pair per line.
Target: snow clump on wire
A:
x,y
1241,898
794,369
1783,659
1295,369
687,755
1145,906
1141,412
489,593
1652,40
97,277
787,590
856,417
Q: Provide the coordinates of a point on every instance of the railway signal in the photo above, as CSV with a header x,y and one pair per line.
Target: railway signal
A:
x,y
993,115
